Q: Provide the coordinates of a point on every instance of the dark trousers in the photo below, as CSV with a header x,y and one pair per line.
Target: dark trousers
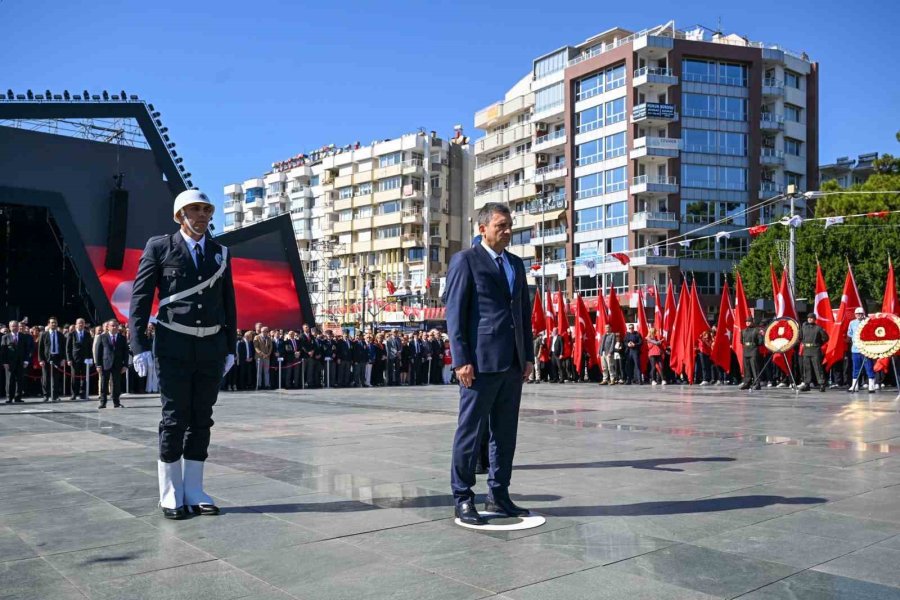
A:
x,y
558,369
15,380
328,373
437,365
112,378
393,373
291,374
77,371
633,367
247,375
655,369
415,370
751,369
492,402
309,372
188,391
359,374
811,364
343,373
51,377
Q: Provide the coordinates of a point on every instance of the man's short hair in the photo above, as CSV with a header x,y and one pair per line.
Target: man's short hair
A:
x,y
486,212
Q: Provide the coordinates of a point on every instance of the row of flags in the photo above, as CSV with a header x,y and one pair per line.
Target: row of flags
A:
x,y
680,325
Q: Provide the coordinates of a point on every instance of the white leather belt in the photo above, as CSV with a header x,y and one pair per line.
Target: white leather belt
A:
x,y
200,332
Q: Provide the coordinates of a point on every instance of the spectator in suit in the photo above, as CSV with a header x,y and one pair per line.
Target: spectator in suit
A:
x,y
51,354
98,331
79,345
360,357
343,358
307,354
112,362
557,350
15,353
263,347
290,351
393,347
246,358
437,357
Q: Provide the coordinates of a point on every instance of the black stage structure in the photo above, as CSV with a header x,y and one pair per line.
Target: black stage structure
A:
x,y
85,180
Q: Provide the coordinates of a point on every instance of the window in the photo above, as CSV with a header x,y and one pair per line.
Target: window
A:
x,y
589,152
548,97
551,64
699,140
589,86
615,77
698,211
616,179
252,195
732,178
733,212
616,214
589,120
698,176
732,109
520,238
314,180
364,236
589,185
791,178
435,253
415,254
617,244
364,189
792,113
792,79
792,146
345,192
387,208
615,145
435,182
732,248
390,231
698,70
734,144
699,105
394,158
391,183
615,111
345,215
733,74
589,219
229,219
362,212
707,283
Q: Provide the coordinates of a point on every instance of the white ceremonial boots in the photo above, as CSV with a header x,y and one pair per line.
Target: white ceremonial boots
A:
x,y
171,490
198,501
871,386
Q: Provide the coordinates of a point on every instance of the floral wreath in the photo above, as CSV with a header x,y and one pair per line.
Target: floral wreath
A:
x,y
782,334
878,336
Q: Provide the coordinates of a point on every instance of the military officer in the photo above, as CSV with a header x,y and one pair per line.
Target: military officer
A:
x,y
196,324
812,339
751,339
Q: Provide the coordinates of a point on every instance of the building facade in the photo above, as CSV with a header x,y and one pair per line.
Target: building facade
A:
x,y
632,142
847,171
386,216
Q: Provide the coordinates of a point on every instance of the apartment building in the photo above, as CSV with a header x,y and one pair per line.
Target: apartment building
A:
x,y
392,211
631,142
847,171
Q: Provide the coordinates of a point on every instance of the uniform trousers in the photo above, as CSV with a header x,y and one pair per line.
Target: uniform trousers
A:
x,y
811,364
751,369
188,391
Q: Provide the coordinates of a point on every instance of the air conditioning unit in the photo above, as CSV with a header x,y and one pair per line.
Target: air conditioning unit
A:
x,y
542,159
540,127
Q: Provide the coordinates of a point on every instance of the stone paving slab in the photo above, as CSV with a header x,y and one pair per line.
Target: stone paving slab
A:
x,y
648,493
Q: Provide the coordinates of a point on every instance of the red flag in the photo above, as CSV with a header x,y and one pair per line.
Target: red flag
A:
x,y
758,230
669,312
888,305
721,348
621,257
697,325
585,336
657,312
881,214
643,329
562,319
616,316
602,319
535,267
549,319
741,312
678,331
784,307
391,288
822,306
837,342
537,313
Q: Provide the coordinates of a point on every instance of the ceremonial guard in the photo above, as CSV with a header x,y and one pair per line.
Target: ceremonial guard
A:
x,y
751,340
812,339
196,326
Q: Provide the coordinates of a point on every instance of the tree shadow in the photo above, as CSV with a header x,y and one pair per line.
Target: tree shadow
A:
x,y
649,464
676,507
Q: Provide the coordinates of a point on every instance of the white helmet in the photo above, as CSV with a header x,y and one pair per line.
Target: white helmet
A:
x,y
189,197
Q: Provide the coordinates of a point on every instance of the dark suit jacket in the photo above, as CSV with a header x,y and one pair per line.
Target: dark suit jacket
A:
x,y
78,352
112,358
16,354
44,345
485,320
244,350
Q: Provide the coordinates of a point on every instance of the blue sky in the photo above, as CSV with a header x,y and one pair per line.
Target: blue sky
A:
x,y
243,84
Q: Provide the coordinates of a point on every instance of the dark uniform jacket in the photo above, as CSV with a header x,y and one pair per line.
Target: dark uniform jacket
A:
x,y
16,354
812,338
751,340
45,345
76,351
112,357
167,267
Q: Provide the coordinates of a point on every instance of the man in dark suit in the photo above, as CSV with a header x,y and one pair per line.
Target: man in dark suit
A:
x,y
437,358
79,346
393,347
112,362
246,364
343,356
196,327
16,348
489,323
51,348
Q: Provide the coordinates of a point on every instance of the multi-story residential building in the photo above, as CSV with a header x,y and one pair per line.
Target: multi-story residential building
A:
x,y
847,171
393,211
631,142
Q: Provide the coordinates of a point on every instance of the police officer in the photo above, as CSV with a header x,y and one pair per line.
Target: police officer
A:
x,y
751,340
196,324
812,339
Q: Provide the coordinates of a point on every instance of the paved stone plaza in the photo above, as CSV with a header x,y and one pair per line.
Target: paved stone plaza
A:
x,y
649,493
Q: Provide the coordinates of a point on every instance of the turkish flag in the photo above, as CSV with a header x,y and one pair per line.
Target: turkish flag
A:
x,y
822,305
668,317
721,348
585,336
741,312
602,320
888,305
697,325
643,329
616,316
837,342
537,313
678,331
549,319
784,307
621,257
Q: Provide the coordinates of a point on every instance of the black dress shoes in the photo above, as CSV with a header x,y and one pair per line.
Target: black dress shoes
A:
x,y
480,469
468,514
205,509
505,507
175,514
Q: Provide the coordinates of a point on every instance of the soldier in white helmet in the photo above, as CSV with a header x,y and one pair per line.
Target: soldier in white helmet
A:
x,y
195,325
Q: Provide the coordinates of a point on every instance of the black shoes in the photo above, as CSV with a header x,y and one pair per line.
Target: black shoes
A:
x,y
118,406
468,514
205,509
505,507
101,405
176,514
480,469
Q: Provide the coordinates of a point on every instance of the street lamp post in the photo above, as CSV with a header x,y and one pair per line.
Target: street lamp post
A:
x,y
362,273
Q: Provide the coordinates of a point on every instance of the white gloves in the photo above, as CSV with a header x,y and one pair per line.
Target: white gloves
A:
x,y
229,362
143,362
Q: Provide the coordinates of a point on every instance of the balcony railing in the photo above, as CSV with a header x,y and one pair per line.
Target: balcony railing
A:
x,y
663,72
555,201
772,153
550,168
770,188
545,232
653,180
550,137
654,216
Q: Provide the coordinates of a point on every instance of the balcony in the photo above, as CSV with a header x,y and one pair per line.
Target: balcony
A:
x,y
548,235
655,147
770,189
275,198
497,168
652,45
505,194
771,157
548,141
653,80
305,255
664,221
233,206
503,138
550,172
490,115
548,112
551,203
654,112
771,122
300,191
647,184
654,257
773,88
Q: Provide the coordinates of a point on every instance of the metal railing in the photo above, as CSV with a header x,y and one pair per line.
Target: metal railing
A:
x,y
654,180
665,72
771,153
550,168
772,82
549,137
768,117
654,216
546,232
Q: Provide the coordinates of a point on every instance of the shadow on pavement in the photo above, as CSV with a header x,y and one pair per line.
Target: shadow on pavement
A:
x,y
650,464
